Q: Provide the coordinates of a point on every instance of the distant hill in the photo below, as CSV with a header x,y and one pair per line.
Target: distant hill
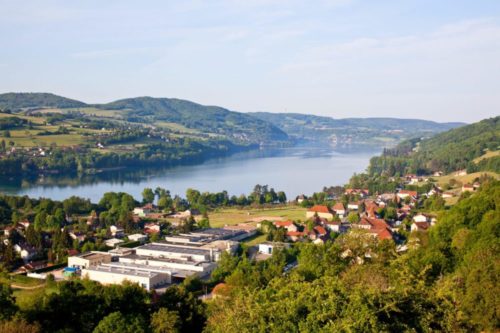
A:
x,y
455,149
212,119
20,101
369,131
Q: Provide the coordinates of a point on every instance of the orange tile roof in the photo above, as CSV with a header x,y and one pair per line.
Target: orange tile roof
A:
x,y
320,209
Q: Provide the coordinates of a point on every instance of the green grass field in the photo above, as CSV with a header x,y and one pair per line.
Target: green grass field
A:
x,y
464,179
230,216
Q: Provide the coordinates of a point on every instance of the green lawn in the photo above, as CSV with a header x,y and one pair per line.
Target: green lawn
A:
x,y
229,216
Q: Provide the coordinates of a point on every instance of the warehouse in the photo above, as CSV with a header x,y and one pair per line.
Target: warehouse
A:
x,y
112,274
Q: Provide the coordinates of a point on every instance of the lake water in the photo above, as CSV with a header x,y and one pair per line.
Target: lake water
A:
x,y
293,170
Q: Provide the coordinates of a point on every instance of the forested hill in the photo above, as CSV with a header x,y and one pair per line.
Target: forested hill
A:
x,y
19,101
368,131
211,119
474,147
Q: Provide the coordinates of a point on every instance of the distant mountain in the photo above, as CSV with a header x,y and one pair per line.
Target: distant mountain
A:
x,y
212,119
19,101
368,131
455,149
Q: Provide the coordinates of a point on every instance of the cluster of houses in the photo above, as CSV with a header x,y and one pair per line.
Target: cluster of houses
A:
x,y
327,220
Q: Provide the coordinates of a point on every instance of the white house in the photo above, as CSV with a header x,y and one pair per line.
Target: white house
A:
x,y
420,218
138,238
113,242
268,247
25,251
116,231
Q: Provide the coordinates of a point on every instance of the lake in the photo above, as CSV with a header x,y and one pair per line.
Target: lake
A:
x,y
297,170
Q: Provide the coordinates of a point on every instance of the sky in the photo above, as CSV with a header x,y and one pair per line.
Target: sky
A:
x,y
427,59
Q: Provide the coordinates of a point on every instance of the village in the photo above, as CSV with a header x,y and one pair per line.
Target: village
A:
x,y
165,252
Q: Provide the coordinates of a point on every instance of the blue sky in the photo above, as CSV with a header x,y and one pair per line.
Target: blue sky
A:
x,y
436,59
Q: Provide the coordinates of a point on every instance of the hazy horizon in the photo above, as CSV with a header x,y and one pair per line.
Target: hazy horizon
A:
x,y
338,58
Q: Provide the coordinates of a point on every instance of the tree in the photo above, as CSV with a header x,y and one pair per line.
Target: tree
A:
x,y
117,322
148,196
7,302
165,321
17,325
353,217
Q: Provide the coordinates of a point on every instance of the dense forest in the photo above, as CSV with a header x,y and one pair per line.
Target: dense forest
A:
x,y
446,152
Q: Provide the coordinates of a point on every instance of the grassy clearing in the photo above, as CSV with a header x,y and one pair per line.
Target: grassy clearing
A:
x,y
464,179
257,239
230,216
176,127
487,155
22,281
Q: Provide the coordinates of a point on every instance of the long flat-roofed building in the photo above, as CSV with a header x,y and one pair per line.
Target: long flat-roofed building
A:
x,y
176,251
109,274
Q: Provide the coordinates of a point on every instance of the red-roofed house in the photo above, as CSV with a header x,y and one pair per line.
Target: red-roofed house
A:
x,y
406,193
295,235
288,225
339,209
322,211
377,227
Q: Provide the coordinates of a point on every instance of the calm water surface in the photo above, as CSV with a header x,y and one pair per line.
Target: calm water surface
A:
x,y
293,170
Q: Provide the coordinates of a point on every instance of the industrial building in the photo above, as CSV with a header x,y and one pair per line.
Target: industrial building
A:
x,y
85,260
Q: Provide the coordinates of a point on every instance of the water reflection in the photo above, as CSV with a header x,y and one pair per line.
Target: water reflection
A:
x,y
295,170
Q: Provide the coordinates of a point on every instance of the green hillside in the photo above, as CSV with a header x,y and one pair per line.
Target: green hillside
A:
x,y
366,131
449,151
20,101
212,119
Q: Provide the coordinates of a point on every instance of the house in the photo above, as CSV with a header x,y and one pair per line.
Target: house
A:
x,y
446,195
459,173
420,226
468,188
25,251
116,231
321,211
269,247
476,185
403,194
294,235
80,236
113,242
438,173
151,228
353,205
288,225
301,198
333,226
339,209
357,191
25,224
434,191
137,238
376,227
144,210
420,218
